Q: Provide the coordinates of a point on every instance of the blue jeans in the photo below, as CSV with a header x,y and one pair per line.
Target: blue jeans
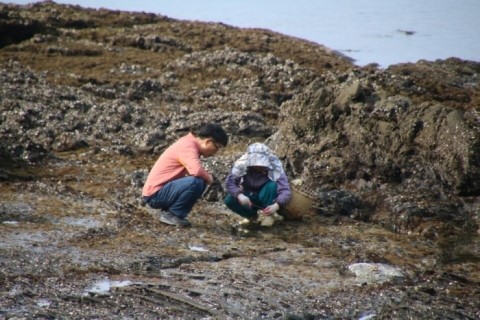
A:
x,y
178,196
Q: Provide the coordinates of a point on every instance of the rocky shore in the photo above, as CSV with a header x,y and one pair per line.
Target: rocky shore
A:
x,y
90,98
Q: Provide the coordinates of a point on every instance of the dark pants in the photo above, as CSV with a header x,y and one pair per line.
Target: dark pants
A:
x,y
178,196
265,197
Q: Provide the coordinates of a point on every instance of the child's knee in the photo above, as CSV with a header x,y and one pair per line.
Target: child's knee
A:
x,y
229,201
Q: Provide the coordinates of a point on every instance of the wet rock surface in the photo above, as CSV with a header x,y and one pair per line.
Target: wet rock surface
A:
x,y
90,98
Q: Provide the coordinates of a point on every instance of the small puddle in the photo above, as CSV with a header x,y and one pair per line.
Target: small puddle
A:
x,y
10,222
15,208
24,239
43,303
82,222
102,287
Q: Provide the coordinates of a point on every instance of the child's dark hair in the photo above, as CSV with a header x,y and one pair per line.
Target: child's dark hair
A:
x,y
215,132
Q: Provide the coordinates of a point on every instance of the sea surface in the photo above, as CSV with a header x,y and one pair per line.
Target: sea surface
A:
x,y
369,31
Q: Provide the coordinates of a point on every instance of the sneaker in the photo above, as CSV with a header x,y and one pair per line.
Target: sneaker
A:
x,y
171,219
250,221
246,222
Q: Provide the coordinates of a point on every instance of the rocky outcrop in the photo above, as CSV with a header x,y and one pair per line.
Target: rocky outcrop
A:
x,y
402,155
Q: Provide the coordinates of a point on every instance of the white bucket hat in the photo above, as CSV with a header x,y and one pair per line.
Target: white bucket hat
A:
x,y
258,154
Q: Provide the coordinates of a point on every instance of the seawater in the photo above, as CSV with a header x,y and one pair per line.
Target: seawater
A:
x,y
368,31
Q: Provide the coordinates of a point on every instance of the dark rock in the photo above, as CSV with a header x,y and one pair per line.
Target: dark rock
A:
x,y
89,100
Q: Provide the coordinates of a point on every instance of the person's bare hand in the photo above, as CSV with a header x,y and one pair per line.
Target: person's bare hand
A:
x,y
210,179
244,200
271,209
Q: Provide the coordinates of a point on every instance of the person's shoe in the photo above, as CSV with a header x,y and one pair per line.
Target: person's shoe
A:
x,y
246,222
171,219
266,221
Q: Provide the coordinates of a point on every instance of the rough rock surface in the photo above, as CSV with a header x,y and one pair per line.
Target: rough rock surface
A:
x,y
409,160
90,98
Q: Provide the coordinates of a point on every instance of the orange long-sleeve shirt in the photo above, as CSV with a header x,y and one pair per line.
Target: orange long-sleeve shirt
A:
x,y
180,159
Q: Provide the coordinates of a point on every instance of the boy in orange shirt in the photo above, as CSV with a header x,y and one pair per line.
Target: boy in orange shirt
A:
x,y
177,180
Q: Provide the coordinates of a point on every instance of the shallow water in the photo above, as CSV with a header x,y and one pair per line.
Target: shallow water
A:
x,y
87,222
369,31
105,285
